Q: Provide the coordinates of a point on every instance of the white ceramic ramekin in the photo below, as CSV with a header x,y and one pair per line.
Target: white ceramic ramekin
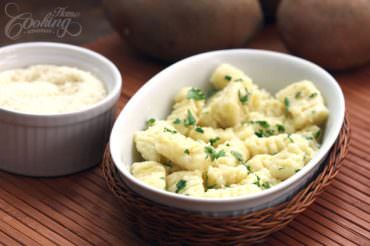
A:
x,y
59,144
270,70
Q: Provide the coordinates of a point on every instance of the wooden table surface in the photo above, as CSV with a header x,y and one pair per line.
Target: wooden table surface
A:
x,y
80,210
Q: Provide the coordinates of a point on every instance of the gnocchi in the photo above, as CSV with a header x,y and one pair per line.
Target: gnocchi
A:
x,y
239,141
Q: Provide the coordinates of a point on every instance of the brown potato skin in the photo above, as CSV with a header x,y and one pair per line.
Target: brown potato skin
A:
x,y
333,33
171,30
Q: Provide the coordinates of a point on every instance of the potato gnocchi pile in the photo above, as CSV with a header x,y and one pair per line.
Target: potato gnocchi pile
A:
x,y
238,141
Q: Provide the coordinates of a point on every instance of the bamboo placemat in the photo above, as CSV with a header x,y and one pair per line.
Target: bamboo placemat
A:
x,y
80,210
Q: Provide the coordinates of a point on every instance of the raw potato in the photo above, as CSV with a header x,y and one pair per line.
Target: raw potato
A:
x,y
171,30
332,33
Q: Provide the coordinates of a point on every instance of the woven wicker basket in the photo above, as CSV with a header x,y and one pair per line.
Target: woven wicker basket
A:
x,y
159,224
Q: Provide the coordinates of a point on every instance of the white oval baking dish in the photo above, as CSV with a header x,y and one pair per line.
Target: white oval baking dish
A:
x,y
58,144
270,70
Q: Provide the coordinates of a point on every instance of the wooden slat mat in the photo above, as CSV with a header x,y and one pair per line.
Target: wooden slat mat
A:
x,y
80,210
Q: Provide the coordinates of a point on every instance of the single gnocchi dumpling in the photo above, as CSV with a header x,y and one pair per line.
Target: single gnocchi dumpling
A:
x,y
222,176
182,151
186,182
232,191
145,140
225,109
235,153
225,73
151,173
188,104
304,104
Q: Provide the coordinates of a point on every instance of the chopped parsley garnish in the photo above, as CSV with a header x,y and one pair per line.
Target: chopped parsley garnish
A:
x,y
318,134
280,128
259,134
162,178
213,141
212,153
269,132
186,151
199,129
290,139
150,122
287,104
257,182
196,94
313,95
228,77
297,170
190,120
298,95
308,137
264,133
228,145
238,80
177,121
248,167
280,168
265,185
169,130
243,98
237,155
262,123
180,185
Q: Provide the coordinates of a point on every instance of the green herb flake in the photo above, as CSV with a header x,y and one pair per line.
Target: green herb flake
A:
x,y
177,121
186,151
238,80
298,95
259,134
169,130
318,134
213,154
297,170
269,132
266,185
228,145
258,181
280,128
248,167
308,137
313,95
262,123
199,129
290,139
237,155
243,98
162,178
190,120
150,122
228,77
287,104
213,141
196,94
280,168
180,185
